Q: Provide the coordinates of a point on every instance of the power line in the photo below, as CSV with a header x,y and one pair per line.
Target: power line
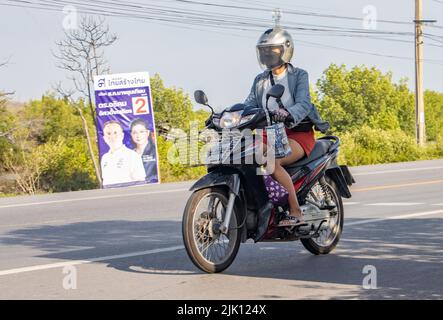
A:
x,y
189,18
138,10
431,61
289,11
434,38
195,17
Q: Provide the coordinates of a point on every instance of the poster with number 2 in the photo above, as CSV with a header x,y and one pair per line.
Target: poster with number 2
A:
x,y
126,129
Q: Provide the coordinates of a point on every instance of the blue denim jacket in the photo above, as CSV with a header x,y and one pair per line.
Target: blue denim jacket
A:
x,y
299,84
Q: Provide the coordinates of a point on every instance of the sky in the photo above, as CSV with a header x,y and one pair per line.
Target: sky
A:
x,y
221,62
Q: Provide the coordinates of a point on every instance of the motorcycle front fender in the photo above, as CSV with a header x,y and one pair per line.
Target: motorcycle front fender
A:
x,y
218,178
232,182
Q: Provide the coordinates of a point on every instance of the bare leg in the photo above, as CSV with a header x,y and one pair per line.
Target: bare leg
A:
x,y
283,177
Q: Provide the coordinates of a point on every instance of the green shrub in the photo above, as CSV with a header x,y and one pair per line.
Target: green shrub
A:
x,y
175,170
71,168
371,146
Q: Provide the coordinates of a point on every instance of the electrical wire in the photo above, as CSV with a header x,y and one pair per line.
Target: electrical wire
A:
x,y
220,22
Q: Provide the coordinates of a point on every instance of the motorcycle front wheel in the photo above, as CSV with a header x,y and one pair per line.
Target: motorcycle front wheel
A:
x,y
209,249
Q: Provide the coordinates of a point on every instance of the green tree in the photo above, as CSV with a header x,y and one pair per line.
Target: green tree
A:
x,y
47,150
71,167
173,110
7,124
172,106
28,166
52,118
433,114
349,99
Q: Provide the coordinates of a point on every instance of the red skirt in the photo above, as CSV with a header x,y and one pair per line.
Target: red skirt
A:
x,y
305,139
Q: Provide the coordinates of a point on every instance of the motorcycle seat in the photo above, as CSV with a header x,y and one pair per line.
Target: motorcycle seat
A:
x,y
321,147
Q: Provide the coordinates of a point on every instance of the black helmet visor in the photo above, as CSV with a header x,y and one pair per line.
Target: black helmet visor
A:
x,y
270,57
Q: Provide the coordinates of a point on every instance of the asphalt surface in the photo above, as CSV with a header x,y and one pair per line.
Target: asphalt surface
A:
x,y
127,244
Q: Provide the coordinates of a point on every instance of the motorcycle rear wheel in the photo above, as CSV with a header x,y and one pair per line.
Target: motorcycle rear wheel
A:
x,y
313,245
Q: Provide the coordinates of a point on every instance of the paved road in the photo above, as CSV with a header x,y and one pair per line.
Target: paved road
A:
x,y
126,244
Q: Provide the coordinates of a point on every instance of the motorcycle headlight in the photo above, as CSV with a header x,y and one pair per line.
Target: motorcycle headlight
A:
x,y
247,118
230,119
233,119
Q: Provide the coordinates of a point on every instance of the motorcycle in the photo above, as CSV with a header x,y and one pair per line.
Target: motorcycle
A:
x,y
233,203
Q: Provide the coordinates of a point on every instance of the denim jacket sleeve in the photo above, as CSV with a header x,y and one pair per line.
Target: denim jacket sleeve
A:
x,y
302,106
251,100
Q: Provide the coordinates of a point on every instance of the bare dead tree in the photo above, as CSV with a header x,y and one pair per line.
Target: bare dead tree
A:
x,y
81,53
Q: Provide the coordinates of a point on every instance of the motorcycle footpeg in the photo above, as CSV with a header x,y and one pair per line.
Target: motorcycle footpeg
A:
x,y
328,207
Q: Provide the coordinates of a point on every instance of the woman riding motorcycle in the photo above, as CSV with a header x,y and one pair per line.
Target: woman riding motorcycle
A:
x,y
275,49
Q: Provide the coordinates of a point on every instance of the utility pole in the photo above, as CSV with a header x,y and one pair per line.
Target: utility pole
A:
x,y
419,100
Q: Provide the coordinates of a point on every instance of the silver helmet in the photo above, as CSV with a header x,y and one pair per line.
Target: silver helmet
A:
x,y
275,47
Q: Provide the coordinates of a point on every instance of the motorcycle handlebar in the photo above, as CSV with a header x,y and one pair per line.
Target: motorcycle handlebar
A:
x,y
287,121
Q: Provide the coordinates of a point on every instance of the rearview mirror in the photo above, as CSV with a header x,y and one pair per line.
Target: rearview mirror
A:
x,y
276,91
200,97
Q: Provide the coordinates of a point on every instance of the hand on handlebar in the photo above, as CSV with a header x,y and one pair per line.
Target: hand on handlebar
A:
x,y
281,115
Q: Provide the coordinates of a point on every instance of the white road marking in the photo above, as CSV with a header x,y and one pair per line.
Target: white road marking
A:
x,y
90,198
142,253
48,222
64,221
394,171
350,203
401,185
395,204
404,216
77,262
438,204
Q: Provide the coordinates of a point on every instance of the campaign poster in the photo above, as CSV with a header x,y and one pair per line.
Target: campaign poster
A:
x,y
126,130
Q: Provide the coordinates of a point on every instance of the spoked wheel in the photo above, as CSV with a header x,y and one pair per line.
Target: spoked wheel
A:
x,y
209,248
326,192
